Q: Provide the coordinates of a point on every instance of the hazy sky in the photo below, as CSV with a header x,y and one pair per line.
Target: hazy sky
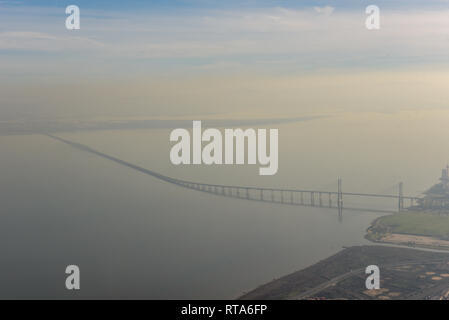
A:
x,y
176,58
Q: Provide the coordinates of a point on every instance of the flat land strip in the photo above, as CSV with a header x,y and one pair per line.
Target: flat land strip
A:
x,y
419,241
422,229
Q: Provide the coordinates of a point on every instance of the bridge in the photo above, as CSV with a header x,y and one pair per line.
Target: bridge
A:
x,y
285,196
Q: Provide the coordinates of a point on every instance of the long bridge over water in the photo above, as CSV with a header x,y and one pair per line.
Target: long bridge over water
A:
x,y
285,196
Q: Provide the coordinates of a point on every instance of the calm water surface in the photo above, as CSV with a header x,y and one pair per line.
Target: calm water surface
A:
x,y
136,237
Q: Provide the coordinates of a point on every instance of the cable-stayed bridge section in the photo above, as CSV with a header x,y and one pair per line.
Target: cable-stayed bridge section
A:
x,y
285,196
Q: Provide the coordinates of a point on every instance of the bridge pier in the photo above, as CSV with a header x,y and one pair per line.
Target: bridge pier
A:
x,y
401,199
340,201
289,196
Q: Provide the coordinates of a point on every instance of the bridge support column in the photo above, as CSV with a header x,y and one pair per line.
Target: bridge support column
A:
x,y
312,199
340,201
320,199
401,197
291,197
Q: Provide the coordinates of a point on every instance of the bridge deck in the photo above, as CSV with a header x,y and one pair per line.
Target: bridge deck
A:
x,y
285,196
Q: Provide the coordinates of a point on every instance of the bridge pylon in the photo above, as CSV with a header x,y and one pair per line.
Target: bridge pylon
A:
x,y
401,197
340,200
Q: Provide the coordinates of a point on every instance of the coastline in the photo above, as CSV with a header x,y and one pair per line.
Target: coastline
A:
x,y
392,247
342,276
380,232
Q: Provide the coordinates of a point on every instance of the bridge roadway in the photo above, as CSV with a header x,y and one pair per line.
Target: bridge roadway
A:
x,y
310,198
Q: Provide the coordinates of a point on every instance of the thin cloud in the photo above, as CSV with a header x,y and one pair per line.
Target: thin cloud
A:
x,y
327,10
38,41
307,36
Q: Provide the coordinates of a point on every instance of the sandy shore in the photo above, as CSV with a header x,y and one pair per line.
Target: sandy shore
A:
x,y
405,239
